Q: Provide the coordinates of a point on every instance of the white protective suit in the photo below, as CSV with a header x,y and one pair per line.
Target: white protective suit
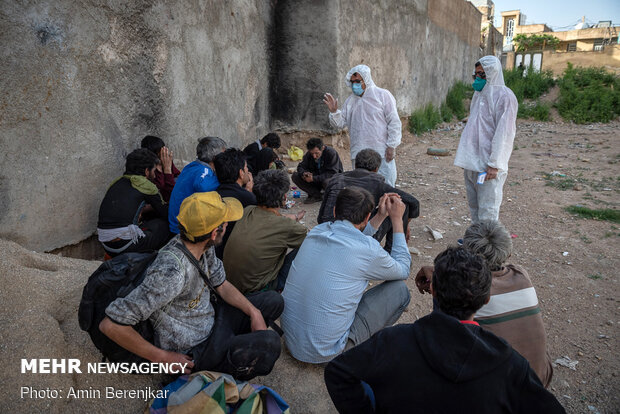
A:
x,y
487,141
372,120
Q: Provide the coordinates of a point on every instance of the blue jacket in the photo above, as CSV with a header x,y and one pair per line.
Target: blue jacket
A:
x,y
196,177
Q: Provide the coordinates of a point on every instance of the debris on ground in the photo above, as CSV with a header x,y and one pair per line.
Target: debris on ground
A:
x,y
567,362
436,234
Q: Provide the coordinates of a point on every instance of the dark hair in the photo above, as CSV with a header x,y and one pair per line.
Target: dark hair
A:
x,y
153,143
197,239
270,187
264,158
314,143
368,159
461,282
227,165
140,160
478,64
271,139
208,148
354,204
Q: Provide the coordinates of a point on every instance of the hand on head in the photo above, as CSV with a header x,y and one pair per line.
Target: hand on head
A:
x,y
165,155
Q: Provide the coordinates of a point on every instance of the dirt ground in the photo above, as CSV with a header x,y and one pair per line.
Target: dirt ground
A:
x,y
572,263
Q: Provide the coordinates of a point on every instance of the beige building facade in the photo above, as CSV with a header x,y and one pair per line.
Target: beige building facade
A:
x,y
583,46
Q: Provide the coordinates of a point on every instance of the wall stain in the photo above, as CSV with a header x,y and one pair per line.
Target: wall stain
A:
x,y
48,33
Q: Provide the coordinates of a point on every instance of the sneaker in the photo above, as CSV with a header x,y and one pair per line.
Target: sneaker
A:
x,y
460,242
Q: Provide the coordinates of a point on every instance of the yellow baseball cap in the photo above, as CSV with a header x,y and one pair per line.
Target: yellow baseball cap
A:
x,y
200,213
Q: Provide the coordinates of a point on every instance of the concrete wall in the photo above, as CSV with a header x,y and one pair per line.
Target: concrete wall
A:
x,y
82,82
608,58
305,58
416,49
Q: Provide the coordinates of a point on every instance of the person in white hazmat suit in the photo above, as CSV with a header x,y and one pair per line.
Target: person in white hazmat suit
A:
x,y
371,116
486,141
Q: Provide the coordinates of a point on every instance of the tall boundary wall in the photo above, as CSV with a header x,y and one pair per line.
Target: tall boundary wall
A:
x,y
415,48
84,81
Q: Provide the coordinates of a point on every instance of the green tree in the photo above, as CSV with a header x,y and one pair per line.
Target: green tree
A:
x,y
526,42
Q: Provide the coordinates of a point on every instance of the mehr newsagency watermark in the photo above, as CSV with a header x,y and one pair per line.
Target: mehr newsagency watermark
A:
x,y
44,366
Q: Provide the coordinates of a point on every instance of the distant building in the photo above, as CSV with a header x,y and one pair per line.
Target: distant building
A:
x,y
583,46
490,38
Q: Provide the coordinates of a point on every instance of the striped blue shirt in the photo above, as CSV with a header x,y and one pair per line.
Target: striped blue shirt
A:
x,y
326,283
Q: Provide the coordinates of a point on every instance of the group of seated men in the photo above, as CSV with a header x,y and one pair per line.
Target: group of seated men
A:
x,y
269,266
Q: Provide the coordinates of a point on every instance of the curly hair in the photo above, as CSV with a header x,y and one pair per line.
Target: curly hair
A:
x,y
140,160
227,165
272,140
270,188
461,282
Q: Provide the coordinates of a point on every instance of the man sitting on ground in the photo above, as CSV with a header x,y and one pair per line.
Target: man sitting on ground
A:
x,y
255,257
444,362
236,181
317,166
166,172
513,312
197,177
262,153
327,310
232,338
367,163
120,228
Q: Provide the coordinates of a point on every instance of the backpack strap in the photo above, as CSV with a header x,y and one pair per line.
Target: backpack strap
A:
x,y
192,259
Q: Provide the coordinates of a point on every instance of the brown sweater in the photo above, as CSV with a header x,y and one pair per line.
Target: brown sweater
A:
x,y
513,314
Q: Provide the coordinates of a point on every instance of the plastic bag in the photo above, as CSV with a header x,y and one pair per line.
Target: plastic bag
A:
x,y
295,153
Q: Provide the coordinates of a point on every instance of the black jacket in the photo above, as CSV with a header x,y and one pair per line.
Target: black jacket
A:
x,y
245,197
367,180
322,169
437,365
122,204
259,158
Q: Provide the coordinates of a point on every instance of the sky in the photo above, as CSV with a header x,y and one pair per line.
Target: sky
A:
x,y
563,14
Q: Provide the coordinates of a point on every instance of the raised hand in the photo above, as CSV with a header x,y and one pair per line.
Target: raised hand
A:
x,y
331,102
165,155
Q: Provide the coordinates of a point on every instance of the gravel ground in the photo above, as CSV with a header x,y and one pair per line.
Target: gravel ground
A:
x,y
571,260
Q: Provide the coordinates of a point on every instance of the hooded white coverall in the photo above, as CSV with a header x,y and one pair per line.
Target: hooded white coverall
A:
x,y
372,120
487,141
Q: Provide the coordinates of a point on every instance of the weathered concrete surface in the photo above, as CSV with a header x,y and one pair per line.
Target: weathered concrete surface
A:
x,y
82,82
305,51
416,49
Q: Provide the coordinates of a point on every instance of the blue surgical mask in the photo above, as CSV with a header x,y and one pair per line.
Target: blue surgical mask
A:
x,y
357,89
479,84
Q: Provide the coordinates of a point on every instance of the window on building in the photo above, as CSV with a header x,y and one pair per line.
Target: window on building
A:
x,y
510,29
599,44
571,47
